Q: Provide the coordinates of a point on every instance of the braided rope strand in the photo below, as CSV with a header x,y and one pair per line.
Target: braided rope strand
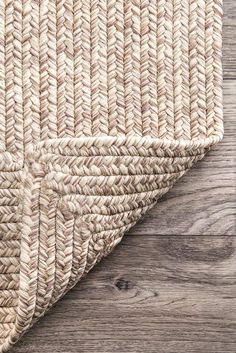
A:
x,y
2,77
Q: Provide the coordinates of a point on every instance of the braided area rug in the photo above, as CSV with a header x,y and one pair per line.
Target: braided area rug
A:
x,y
104,105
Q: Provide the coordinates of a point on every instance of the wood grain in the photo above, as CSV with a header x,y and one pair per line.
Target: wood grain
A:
x,y
164,294
152,294
229,39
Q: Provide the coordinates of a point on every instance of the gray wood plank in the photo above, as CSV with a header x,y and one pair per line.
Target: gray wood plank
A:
x,y
229,39
229,12
152,294
229,51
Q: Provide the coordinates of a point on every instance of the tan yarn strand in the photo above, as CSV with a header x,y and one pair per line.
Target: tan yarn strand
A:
x,y
149,68
47,256
31,71
181,70
116,67
2,77
132,61
48,68
197,68
13,69
165,69
82,52
214,68
99,73
65,68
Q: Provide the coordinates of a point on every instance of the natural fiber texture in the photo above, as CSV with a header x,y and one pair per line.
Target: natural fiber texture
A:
x,y
104,105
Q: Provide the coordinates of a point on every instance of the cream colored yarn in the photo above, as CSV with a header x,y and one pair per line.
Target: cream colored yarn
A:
x,y
104,105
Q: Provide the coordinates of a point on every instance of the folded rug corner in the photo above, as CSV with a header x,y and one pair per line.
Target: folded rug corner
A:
x,y
104,105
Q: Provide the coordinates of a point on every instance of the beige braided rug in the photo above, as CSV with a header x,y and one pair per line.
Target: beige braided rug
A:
x,y
104,105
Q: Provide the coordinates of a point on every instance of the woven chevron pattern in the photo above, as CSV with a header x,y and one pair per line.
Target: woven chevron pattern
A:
x,y
104,105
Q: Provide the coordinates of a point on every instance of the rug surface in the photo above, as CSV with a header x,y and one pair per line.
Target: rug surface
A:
x,y
104,105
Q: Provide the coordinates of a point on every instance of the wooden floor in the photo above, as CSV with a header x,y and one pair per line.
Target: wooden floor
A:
x,y
170,286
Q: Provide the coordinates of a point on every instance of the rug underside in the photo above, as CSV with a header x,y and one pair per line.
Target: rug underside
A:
x,y
104,105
